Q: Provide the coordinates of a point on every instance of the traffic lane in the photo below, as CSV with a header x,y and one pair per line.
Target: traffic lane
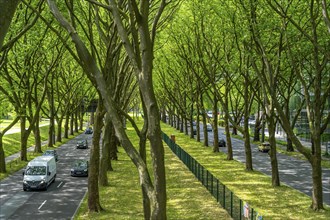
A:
x,y
293,172
11,187
60,201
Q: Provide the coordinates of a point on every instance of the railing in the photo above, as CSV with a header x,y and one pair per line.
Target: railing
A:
x,y
226,198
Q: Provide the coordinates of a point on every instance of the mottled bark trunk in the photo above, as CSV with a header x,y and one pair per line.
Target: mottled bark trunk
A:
x,y
272,153
24,137
72,124
228,138
93,173
66,125
289,146
37,138
76,121
143,154
59,129
113,148
2,156
103,178
317,195
215,125
51,132
7,11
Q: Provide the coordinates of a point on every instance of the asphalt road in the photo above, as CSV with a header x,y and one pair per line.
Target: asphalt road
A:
x,y
62,198
293,172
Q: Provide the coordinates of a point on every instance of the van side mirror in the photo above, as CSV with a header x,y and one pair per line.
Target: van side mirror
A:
x,y
23,172
49,173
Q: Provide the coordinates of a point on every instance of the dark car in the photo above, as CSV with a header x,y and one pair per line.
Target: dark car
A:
x,y
222,143
89,131
264,147
51,153
80,168
82,144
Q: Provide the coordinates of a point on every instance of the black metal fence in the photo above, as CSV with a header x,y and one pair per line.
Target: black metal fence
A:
x,y
226,198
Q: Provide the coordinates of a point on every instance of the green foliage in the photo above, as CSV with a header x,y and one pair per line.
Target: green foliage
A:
x,y
253,187
186,197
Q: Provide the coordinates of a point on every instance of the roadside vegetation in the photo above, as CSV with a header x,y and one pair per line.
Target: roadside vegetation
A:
x,y
255,188
12,146
186,197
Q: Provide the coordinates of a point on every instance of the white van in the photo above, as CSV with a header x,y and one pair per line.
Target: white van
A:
x,y
39,173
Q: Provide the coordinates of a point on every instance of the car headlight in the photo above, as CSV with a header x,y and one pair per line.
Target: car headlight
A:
x,y
72,170
85,170
25,182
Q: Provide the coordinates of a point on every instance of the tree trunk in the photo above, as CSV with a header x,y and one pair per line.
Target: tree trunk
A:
x,y
215,125
228,138
2,156
24,137
113,148
103,178
72,124
317,195
289,146
7,11
273,156
59,129
76,121
66,125
143,154
93,173
37,138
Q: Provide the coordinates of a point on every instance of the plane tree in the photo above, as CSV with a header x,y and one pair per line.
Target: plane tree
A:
x,y
311,65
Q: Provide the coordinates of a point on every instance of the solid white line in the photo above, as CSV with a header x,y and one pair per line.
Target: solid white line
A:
x,y
59,185
42,204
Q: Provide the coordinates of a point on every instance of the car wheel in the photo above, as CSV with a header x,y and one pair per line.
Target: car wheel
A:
x,y
24,189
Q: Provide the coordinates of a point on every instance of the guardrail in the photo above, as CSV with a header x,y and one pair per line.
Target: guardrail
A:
x,y
237,208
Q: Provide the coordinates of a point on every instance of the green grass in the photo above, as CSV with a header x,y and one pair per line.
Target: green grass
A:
x,y
253,187
11,142
186,197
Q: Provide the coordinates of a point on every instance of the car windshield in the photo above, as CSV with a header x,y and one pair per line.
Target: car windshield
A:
x,y
35,170
81,164
49,153
81,142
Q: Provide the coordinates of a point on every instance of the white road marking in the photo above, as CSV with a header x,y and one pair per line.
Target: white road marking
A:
x,y
59,184
42,204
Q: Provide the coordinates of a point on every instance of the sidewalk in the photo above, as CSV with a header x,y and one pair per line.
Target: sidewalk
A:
x,y
18,154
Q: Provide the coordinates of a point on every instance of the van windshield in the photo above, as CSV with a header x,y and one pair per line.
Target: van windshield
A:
x,y
36,170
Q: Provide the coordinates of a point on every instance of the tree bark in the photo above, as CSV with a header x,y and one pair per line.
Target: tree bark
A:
x,y
7,11
2,156
105,159
37,138
93,173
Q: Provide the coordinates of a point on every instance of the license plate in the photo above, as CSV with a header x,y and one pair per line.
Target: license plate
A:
x,y
78,172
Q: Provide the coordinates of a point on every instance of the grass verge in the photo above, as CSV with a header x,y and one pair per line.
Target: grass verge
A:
x,y
253,187
186,197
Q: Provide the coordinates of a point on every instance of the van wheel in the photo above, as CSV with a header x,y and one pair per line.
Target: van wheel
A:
x,y
24,189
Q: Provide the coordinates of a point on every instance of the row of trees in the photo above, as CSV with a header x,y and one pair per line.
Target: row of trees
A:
x,y
36,84
112,43
227,55
247,58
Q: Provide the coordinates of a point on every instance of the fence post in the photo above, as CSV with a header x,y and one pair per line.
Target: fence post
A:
x,y
240,209
224,196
